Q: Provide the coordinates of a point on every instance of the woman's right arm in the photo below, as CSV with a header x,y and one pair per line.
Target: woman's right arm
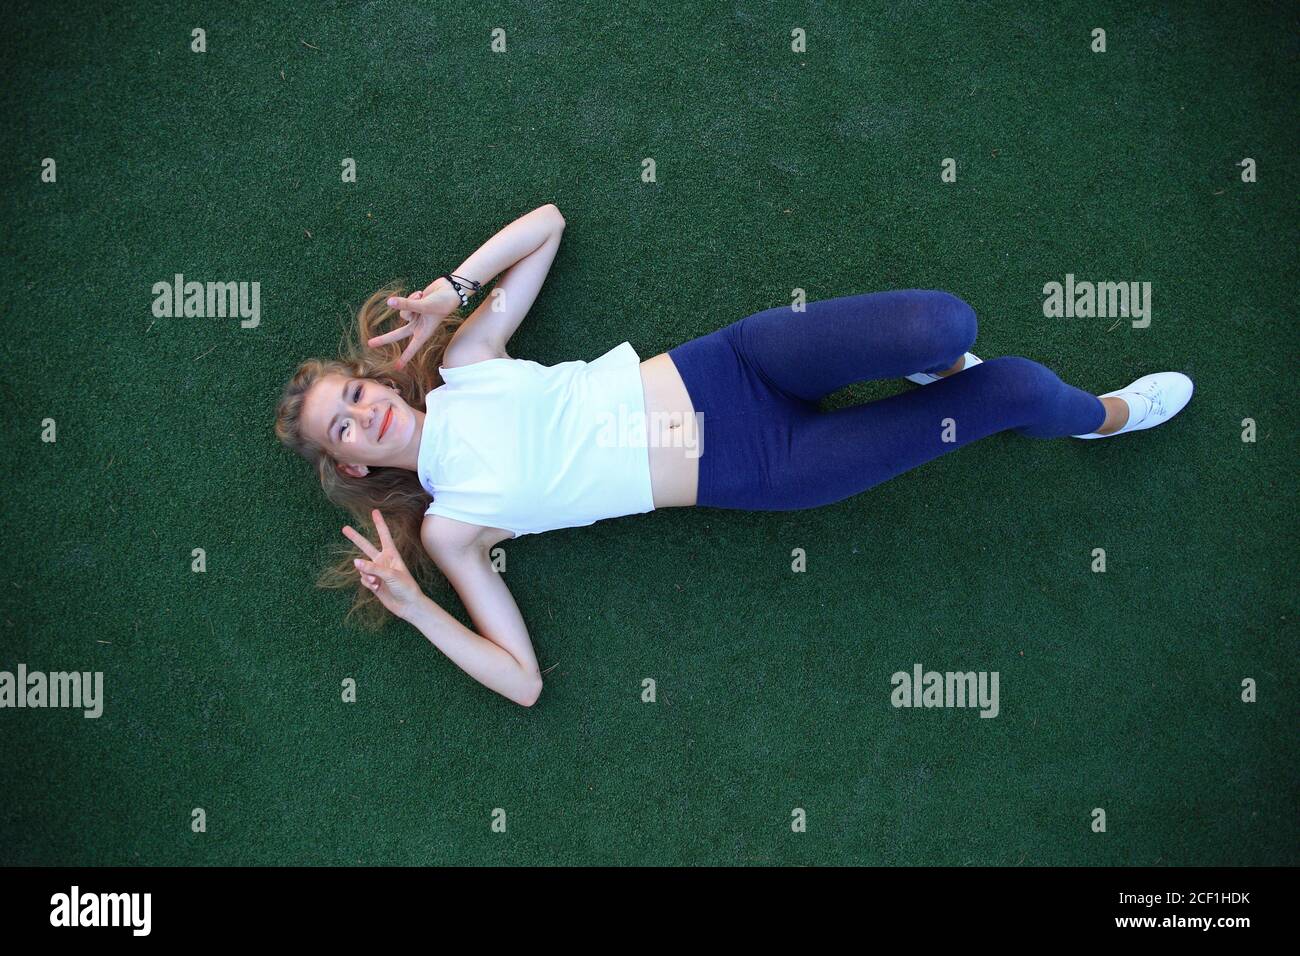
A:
x,y
502,659
485,661
504,663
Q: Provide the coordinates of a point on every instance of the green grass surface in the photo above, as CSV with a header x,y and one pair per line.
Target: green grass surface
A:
x,y
776,170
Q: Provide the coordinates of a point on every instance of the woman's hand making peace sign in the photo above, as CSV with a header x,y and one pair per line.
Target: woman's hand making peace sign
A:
x,y
385,573
424,310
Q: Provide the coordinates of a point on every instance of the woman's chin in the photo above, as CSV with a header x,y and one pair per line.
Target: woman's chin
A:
x,y
399,433
403,428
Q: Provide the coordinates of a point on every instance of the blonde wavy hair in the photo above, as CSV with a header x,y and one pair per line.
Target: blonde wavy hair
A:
x,y
396,492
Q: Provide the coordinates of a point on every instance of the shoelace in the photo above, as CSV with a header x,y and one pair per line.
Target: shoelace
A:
x,y
1155,402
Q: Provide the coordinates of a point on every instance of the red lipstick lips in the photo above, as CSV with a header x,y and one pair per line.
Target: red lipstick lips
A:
x,y
388,420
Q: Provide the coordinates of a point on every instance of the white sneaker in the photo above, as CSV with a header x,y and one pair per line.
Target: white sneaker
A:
x,y
1152,400
925,378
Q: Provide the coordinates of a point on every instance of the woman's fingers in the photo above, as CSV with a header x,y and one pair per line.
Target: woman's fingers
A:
x,y
410,351
410,316
385,539
394,336
366,570
372,569
360,541
420,306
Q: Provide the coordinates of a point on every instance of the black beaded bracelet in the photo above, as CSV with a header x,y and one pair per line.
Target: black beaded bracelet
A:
x,y
460,290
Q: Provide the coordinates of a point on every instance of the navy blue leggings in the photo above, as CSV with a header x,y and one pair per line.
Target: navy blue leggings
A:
x,y
767,446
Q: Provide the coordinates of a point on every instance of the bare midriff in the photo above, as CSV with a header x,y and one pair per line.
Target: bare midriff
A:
x,y
672,432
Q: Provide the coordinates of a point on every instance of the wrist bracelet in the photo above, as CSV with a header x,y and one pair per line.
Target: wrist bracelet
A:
x,y
460,291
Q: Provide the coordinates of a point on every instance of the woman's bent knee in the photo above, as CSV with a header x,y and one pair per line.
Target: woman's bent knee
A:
x,y
954,319
1021,382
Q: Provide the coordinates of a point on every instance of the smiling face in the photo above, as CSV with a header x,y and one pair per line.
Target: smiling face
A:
x,y
360,422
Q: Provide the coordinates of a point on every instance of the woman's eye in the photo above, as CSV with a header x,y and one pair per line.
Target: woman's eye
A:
x,y
357,396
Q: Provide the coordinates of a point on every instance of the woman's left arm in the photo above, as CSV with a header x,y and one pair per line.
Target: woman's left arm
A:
x,y
524,250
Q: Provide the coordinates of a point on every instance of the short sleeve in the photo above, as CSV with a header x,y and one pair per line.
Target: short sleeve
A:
x,y
443,511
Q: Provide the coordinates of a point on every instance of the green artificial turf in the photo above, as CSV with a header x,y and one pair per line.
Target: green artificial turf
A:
x,y
776,170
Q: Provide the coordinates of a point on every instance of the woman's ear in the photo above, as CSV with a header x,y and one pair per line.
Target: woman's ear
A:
x,y
352,471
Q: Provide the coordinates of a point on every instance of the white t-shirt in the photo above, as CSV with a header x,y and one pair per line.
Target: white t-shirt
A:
x,y
511,444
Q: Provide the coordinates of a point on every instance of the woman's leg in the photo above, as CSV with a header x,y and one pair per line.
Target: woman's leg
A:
x,y
836,342
824,457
